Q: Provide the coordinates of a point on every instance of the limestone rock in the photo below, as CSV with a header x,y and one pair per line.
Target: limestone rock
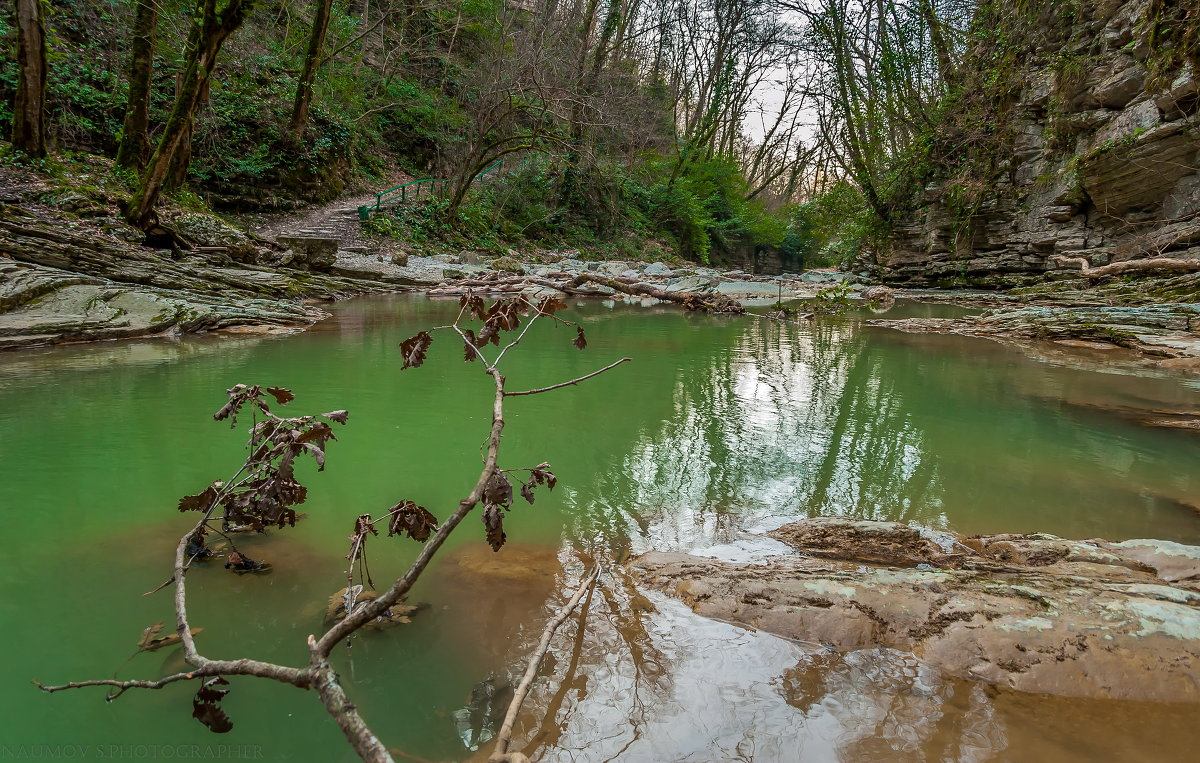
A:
x,y
881,296
688,284
60,284
754,290
507,264
318,253
1034,613
1099,162
208,230
1166,330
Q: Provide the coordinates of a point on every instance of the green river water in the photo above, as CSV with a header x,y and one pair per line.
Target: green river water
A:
x,y
720,425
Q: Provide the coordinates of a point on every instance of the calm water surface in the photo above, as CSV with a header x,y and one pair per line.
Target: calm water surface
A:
x,y
719,426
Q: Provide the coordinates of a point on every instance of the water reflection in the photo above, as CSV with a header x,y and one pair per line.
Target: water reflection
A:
x,y
721,424
791,421
678,687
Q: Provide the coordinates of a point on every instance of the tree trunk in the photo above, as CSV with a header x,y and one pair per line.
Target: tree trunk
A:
x,y
937,37
312,58
29,106
177,175
135,133
208,34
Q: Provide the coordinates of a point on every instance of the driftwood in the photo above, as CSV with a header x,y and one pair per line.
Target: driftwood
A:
x,y
692,300
1128,266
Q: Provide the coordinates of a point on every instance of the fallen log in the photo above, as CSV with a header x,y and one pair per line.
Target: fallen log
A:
x,y
692,300
1127,266
517,283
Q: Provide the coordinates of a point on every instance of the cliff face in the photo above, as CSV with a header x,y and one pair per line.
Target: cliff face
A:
x,y
1100,158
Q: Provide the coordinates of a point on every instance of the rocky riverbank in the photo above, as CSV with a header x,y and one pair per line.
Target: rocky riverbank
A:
x,y
71,271
1034,613
1167,333
1092,158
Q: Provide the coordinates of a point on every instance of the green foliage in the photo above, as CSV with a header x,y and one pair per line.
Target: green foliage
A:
x,y
831,299
430,223
706,207
834,228
606,210
367,119
1174,38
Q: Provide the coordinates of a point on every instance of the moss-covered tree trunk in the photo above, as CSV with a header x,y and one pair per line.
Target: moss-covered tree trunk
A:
x,y
209,31
29,106
134,150
312,58
177,175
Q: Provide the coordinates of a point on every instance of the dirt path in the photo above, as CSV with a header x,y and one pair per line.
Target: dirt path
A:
x,y
336,219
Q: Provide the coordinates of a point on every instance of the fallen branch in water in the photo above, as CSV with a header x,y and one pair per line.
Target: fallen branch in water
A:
x,y
501,753
692,300
262,491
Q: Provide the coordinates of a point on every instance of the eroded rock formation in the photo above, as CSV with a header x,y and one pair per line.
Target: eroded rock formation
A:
x,y
1032,612
1097,159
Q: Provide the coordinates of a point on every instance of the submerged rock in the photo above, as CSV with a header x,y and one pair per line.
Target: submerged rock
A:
x,y
1035,613
355,597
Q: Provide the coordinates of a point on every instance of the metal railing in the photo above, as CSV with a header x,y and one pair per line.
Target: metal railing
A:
x,y
413,189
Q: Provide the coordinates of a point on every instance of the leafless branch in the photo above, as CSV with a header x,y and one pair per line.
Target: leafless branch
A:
x,y
568,383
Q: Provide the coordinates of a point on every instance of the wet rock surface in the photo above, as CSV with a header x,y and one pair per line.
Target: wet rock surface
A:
x,y
1163,331
64,281
1034,613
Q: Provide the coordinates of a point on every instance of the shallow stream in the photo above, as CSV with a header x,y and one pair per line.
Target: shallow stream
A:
x,y
720,426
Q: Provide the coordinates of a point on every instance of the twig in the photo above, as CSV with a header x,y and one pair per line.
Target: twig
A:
x,y
121,685
567,383
501,754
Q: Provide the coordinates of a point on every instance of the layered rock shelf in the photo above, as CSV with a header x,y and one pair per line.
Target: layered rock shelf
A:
x,y
1034,612
1097,162
1167,331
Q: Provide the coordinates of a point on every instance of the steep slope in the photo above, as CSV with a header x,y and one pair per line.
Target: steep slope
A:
x,y
1094,153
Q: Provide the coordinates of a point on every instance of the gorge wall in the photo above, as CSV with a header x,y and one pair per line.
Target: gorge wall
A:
x,y
1095,152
